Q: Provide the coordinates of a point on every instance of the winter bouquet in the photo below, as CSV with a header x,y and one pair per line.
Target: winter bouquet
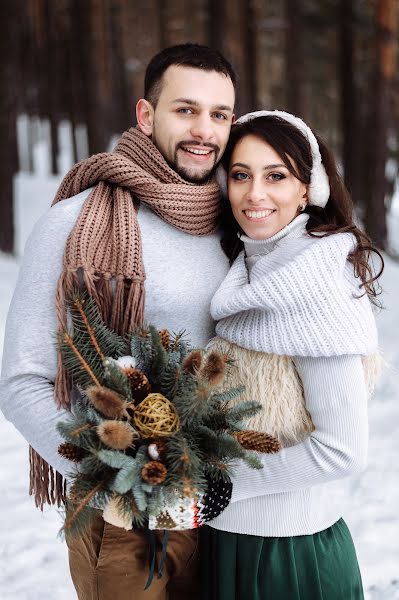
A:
x,y
153,431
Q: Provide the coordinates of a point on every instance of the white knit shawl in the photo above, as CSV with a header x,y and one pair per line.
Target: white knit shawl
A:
x,y
303,300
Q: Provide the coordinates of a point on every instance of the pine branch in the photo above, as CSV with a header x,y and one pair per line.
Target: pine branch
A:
x,y
159,356
82,438
84,502
78,303
228,395
66,338
89,319
243,410
117,379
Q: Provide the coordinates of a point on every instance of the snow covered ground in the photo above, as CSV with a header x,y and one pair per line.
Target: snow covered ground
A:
x,y
33,561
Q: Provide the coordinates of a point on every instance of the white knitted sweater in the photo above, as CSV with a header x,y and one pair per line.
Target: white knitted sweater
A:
x,y
301,299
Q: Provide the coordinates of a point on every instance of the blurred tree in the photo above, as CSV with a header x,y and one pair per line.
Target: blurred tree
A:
x,y
349,98
10,12
293,57
380,122
85,62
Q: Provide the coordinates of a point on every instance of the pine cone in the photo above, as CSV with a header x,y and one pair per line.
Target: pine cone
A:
x,y
71,452
165,339
258,441
154,472
138,382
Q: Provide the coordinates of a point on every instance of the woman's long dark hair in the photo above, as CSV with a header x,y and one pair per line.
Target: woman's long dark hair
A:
x,y
336,217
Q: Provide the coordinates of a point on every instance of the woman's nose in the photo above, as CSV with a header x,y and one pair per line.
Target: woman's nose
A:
x,y
256,193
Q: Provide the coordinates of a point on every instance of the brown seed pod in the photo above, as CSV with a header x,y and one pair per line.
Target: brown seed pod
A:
x,y
258,441
214,368
193,361
107,402
164,336
154,472
118,435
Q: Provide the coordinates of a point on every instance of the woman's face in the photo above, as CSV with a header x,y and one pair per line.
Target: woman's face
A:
x,y
263,194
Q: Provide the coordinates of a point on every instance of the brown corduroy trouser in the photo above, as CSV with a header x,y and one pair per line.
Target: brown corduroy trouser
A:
x,y
109,563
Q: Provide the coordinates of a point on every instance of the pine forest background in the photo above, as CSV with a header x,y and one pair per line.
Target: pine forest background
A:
x,y
332,62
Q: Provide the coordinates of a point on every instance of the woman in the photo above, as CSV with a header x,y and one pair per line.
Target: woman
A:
x,y
295,310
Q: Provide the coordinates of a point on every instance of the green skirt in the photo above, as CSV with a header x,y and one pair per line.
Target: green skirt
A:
x,y
322,566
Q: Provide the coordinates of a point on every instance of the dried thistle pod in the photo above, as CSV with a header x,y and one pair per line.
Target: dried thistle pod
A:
x,y
258,441
154,472
71,452
192,362
107,402
139,383
214,368
118,435
155,417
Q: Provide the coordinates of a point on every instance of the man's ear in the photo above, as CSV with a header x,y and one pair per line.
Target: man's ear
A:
x,y
233,119
145,116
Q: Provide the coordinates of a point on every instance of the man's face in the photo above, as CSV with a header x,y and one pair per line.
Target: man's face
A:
x,y
192,120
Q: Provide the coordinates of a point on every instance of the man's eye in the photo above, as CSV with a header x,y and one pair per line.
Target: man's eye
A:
x,y
185,111
276,176
220,116
238,176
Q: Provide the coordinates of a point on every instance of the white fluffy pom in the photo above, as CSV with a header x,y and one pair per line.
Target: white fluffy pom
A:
x,y
125,362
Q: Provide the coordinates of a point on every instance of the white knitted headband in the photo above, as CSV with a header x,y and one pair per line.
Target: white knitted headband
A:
x,y
319,187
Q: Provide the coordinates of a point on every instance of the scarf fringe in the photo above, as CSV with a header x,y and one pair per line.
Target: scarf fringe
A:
x,y
45,485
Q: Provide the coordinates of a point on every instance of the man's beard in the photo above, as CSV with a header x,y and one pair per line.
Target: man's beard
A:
x,y
191,174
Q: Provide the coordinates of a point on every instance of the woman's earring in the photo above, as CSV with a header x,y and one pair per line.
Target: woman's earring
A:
x,y
302,207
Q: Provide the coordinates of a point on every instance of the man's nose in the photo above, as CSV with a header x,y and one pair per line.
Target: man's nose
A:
x,y
202,128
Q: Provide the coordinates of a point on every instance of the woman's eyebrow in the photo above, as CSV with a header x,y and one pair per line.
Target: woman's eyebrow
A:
x,y
273,166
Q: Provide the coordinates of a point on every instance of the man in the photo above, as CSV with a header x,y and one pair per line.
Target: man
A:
x,y
142,218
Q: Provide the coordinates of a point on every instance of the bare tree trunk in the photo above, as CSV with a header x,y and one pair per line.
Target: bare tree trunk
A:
x,y
10,12
386,27
268,42
139,16
237,16
349,101
293,57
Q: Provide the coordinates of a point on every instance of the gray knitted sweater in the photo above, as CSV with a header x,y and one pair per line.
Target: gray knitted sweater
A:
x,y
182,274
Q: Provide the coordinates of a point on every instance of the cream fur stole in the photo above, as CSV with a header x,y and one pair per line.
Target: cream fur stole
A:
x,y
273,381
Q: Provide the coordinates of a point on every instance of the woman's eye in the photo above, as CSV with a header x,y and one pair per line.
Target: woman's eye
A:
x,y
239,176
276,176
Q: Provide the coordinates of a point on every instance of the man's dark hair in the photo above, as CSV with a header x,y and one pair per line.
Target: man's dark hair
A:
x,y
186,55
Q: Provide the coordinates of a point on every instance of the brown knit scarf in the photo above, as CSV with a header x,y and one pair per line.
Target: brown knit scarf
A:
x,y
104,249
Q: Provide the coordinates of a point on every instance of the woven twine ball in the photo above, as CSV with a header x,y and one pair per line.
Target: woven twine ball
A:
x,y
156,416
